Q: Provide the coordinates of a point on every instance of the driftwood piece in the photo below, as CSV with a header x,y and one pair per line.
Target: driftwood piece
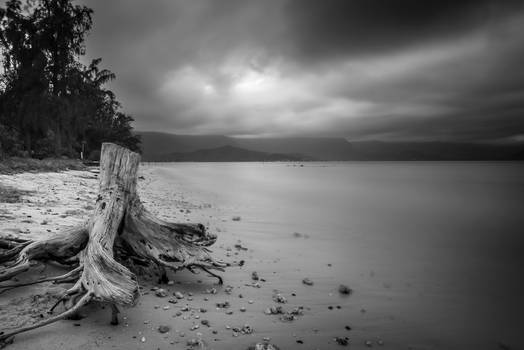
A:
x,y
103,251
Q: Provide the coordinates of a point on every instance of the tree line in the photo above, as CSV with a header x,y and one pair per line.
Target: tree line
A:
x,y
50,103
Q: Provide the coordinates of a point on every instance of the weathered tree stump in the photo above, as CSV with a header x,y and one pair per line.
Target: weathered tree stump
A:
x,y
102,252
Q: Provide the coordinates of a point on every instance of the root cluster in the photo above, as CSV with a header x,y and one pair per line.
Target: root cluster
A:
x,y
103,252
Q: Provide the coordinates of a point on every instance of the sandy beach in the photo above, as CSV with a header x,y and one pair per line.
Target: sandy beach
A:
x,y
391,306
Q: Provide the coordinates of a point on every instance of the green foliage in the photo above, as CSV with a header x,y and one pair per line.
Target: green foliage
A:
x,y
48,98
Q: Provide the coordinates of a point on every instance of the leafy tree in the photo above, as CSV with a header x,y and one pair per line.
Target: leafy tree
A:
x,y
46,94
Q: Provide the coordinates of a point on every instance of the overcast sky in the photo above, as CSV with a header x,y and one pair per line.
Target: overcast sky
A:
x,y
362,69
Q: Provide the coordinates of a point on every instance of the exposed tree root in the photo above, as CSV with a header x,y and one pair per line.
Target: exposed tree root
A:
x,y
120,235
5,337
66,278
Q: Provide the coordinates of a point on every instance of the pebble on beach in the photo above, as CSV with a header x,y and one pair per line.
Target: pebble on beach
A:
x,y
163,328
307,281
161,293
344,341
343,289
263,346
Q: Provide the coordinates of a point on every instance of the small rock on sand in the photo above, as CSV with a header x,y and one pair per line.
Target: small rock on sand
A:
x,y
343,289
279,298
307,281
163,328
344,341
236,218
254,276
161,293
263,346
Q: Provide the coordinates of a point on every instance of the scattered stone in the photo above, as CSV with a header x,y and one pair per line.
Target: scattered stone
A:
x,y
307,281
143,339
250,301
205,323
254,276
178,295
243,309
194,342
203,310
235,218
240,247
343,289
368,343
223,305
172,301
380,342
348,328
274,310
246,329
263,346
161,293
229,312
164,328
279,298
166,307
287,317
228,289
211,291
300,341
344,341
292,315
195,326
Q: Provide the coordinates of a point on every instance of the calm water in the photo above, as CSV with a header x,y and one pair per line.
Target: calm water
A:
x,y
433,250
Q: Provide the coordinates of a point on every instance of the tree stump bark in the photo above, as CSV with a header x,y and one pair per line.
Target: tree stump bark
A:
x,y
102,252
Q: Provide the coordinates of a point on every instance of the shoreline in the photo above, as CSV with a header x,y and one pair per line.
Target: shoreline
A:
x,y
50,202
405,295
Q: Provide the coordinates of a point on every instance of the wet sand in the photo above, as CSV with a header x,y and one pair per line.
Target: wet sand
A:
x,y
392,306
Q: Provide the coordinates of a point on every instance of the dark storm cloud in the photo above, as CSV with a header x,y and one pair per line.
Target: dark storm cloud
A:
x,y
336,28
403,69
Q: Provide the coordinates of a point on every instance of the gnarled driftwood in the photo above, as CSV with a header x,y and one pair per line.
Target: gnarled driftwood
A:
x,y
102,251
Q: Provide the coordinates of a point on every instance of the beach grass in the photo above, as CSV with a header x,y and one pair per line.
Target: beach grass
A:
x,y
16,165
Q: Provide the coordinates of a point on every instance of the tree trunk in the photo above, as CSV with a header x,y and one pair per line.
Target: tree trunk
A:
x,y
120,234
58,138
27,142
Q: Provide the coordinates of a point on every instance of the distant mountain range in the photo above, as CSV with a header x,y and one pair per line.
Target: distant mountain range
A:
x,y
164,147
225,153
